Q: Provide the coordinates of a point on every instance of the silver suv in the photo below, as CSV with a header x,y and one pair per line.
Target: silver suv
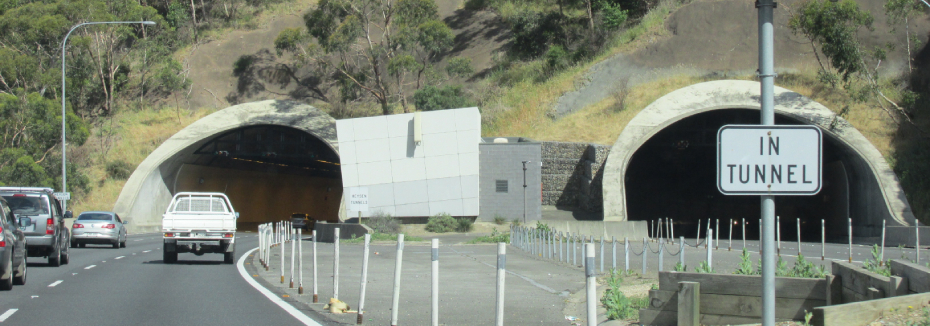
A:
x,y
46,234
12,250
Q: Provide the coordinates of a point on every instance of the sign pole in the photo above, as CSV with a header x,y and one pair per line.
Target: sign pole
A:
x,y
767,79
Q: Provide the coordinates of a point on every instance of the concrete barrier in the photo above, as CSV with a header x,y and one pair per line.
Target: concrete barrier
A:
x,y
326,231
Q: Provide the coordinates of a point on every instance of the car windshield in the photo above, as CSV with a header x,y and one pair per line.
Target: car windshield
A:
x,y
95,217
27,205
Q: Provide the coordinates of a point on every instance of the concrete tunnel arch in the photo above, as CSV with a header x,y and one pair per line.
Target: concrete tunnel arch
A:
x,y
294,169
873,191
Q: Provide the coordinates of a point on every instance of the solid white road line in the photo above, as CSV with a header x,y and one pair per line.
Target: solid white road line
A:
x,y
55,283
7,314
271,296
91,266
120,257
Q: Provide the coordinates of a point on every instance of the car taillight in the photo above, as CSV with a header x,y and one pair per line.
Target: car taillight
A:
x,y
2,243
228,235
109,226
77,226
19,195
50,226
169,234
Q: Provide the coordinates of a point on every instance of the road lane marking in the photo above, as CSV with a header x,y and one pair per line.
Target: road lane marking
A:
x,y
55,283
137,240
120,257
144,251
91,266
7,314
271,296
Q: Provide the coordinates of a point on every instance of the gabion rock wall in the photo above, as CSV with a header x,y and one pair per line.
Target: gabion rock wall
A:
x,y
571,175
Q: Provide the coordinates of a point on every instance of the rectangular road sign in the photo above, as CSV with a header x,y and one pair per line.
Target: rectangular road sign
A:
x,y
63,195
769,160
358,199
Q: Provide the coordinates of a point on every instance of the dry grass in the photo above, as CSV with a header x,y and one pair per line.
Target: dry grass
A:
x,y
130,136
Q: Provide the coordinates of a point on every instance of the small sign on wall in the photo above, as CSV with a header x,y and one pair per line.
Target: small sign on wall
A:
x,y
358,199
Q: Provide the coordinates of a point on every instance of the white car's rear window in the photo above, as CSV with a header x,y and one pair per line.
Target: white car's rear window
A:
x,y
200,204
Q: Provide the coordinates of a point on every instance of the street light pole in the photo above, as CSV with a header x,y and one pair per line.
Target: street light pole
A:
x,y
64,156
524,191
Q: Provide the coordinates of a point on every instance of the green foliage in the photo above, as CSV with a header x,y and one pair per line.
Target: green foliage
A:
x,y
381,222
681,268
557,58
875,264
804,268
781,268
542,227
463,224
833,26
618,305
441,223
923,322
532,33
119,170
516,222
745,265
614,16
432,98
807,317
499,220
703,267
459,67
909,162
495,237
288,40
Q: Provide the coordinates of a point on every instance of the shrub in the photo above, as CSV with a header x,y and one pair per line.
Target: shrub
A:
x,y
431,98
681,268
875,265
557,58
441,223
499,220
745,265
542,227
703,267
516,222
463,224
617,304
495,237
804,268
383,223
119,170
614,16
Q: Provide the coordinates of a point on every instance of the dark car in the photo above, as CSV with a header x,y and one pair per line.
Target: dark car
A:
x,y
12,249
301,221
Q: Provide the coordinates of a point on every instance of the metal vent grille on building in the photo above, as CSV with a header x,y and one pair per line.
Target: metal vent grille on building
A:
x,y
501,185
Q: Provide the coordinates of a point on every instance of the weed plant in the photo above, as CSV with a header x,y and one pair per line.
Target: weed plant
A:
x,y
542,227
681,268
495,237
499,220
441,223
875,265
383,223
516,222
703,267
463,224
618,306
745,265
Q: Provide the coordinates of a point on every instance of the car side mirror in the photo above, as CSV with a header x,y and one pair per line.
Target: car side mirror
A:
x,y
125,222
69,214
237,214
25,221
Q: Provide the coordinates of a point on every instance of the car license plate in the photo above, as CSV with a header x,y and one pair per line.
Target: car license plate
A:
x,y
197,235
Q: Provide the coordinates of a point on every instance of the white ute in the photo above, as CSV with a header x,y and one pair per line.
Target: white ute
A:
x,y
199,223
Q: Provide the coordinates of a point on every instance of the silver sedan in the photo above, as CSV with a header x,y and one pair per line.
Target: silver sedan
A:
x,y
98,228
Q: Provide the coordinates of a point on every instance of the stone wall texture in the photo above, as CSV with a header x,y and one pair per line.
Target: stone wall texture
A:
x,y
572,175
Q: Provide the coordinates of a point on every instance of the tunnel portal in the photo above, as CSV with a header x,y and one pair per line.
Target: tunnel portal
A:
x,y
673,174
268,172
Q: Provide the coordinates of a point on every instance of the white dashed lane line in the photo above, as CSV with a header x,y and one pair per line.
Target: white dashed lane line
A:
x,y
55,283
91,266
120,257
7,314
146,251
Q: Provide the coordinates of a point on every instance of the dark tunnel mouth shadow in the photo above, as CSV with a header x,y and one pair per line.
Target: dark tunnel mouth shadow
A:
x,y
673,174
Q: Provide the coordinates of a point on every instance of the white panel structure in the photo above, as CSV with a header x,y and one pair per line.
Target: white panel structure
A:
x,y
440,175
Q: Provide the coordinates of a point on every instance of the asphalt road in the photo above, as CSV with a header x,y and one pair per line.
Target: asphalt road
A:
x,y
131,286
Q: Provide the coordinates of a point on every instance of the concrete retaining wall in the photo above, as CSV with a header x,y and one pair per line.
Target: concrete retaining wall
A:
x,y
325,232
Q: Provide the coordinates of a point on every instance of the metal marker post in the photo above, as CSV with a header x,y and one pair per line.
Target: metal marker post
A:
x,y
361,296
293,254
717,234
917,237
661,250
395,299
681,252
671,227
336,264
669,236
316,297
300,262
744,233
591,284
697,241
501,274
730,234
710,238
710,257
823,239
613,242
626,254
561,256
434,249
645,252
778,232
850,240
799,237
882,261
282,256
574,251
261,252
602,254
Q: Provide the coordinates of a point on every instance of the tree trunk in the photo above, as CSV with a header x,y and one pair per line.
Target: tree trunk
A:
x,y
590,15
194,12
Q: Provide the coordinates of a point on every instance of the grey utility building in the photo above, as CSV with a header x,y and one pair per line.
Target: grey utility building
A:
x,y
501,177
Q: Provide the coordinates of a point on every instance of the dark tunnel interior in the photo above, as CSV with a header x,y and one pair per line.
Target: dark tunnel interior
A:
x,y
673,175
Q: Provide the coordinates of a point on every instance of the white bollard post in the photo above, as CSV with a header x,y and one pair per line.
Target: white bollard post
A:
x,y
710,238
645,253
880,263
917,237
435,294
698,240
681,252
501,274
300,262
799,237
361,297
626,254
602,254
823,239
744,232
282,256
671,228
652,234
730,235
850,240
661,250
710,257
316,297
669,237
613,242
574,250
591,285
395,300
561,256
717,234
293,234
778,235
336,264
